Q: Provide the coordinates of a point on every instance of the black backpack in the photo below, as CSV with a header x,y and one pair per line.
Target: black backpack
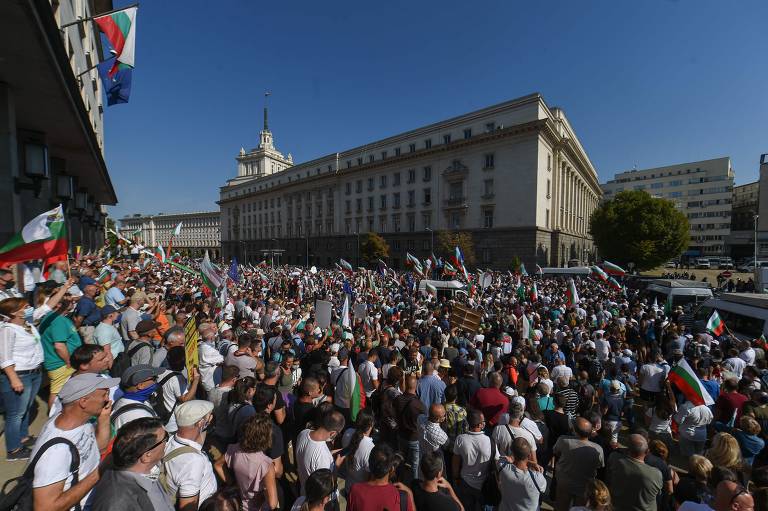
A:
x,y
19,497
123,360
157,402
128,408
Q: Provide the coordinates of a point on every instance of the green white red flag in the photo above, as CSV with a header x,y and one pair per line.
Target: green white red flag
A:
x,y
159,253
613,269
211,278
44,237
534,293
120,30
572,296
599,273
685,379
414,262
715,324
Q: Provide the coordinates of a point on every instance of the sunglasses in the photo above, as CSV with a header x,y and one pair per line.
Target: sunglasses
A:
x,y
741,491
166,436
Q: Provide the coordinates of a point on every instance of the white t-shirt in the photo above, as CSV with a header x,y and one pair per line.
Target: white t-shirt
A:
x,y
652,375
368,375
132,415
504,441
310,456
603,349
474,449
189,474
735,365
357,467
53,465
171,394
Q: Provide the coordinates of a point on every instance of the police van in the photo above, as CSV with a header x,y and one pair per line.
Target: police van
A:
x,y
745,314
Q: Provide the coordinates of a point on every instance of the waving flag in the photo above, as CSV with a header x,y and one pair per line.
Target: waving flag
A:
x,y
233,271
448,269
345,321
572,296
345,265
44,237
159,254
614,284
120,30
413,262
539,271
715,324
520,290
613,269
685,379
523,272
599,273
211,278
382,267
534,293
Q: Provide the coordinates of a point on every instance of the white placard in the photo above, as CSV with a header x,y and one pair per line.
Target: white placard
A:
x,y
323,313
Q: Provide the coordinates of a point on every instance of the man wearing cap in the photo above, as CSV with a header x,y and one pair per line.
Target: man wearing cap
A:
x,y
105,332
138,383
83,397
8,285
87,314
141,350
187,474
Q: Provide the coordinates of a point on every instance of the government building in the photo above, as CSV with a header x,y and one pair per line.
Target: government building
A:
x,y
52,118
199,232
514,175
702,190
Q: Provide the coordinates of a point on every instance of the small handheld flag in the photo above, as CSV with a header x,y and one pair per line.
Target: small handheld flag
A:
x,y
715,324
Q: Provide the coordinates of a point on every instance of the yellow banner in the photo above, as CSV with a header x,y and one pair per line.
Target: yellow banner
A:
x,y
190,343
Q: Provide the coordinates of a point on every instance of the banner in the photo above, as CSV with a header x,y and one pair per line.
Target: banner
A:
x,y
323,313
359,310
190,344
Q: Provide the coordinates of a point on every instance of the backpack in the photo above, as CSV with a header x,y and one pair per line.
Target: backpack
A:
x,y
157,401
128,408
163,478
20,497
123,360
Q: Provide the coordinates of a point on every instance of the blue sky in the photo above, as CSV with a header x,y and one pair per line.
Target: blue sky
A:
x,y
643,83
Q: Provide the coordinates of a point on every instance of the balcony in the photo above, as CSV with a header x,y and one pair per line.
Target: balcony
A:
x,y
456,171
455,203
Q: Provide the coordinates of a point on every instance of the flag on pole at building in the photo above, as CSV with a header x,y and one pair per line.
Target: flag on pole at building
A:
x,y
613,269
345,266
685,379
211,278
233,271
715,324
120,30
43,237
159,253
572,297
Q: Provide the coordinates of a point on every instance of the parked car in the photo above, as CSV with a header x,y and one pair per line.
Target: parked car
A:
x,y
703,264
671,264
726,263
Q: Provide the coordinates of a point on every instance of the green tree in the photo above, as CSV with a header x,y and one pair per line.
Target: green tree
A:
x,y
373,247
635,227
447,241
111,238
516,262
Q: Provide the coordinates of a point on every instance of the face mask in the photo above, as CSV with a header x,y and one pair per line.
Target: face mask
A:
x,y
10,284
28,314
142,394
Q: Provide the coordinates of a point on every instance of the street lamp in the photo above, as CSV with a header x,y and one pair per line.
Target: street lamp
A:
x,y
357,256
272,253
431,241
754,263
307,251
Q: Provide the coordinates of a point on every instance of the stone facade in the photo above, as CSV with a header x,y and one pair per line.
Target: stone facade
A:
x,y
513,174
199,231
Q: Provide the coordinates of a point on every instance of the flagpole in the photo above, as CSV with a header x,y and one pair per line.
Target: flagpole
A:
x,y
100,15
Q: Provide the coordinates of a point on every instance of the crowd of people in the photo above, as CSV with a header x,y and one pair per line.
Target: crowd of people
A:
x,y
561,396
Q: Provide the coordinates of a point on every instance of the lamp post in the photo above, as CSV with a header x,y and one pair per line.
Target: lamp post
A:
x,y
431,241
755,260
307,251
272,253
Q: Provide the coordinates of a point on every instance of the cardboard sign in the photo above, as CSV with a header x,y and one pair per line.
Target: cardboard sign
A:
x,y
190,343
486,279
360,311
323,313
465,318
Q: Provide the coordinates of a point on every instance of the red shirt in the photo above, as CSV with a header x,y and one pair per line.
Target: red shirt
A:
x,y
725,405
369,497
492,402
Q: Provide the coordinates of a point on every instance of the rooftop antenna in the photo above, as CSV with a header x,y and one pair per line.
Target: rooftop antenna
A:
x,y
266,123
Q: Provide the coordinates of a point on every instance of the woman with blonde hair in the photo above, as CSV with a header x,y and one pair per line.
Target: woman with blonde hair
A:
x,y
597,496
725,452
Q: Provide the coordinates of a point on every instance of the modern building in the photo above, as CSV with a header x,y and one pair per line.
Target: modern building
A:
x,y
514,175
51,118
702,190
200,232
740,243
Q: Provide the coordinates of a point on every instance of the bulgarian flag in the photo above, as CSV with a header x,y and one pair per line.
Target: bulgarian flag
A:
x,y
685,379
520,289
572,297
715,324
44,237
448,268
599,273
523,272
357,397
613,269
614,284
160,254
104,277
458,258
120,30
211,277
413,262
539,271
534,293
345,266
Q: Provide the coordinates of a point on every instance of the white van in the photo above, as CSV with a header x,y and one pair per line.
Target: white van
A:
x,y
703,263
683,292
745,314
444,287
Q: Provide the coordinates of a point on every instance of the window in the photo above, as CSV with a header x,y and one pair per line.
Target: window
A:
x,y
447,139
382,224
426,245
383,155
549,189
370,184
549,163
396,200
359,186
467,133
358,205
359,161
489,160
488,188
427,173
411,222
486,255
412,175
349,164
411,197
396,244
488,218
383,202
411,148
349,188
490,126
546,219
455,221
455,191
396,179
427,196
348,206
397,151
370,224
428,143
383,181
370,203
370,158
396,223
657,185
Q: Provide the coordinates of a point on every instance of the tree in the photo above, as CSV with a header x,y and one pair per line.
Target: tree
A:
x,y
373,247
635,227
111,238
447,241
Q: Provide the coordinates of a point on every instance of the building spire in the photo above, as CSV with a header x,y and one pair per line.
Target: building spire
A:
x,y
266,122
